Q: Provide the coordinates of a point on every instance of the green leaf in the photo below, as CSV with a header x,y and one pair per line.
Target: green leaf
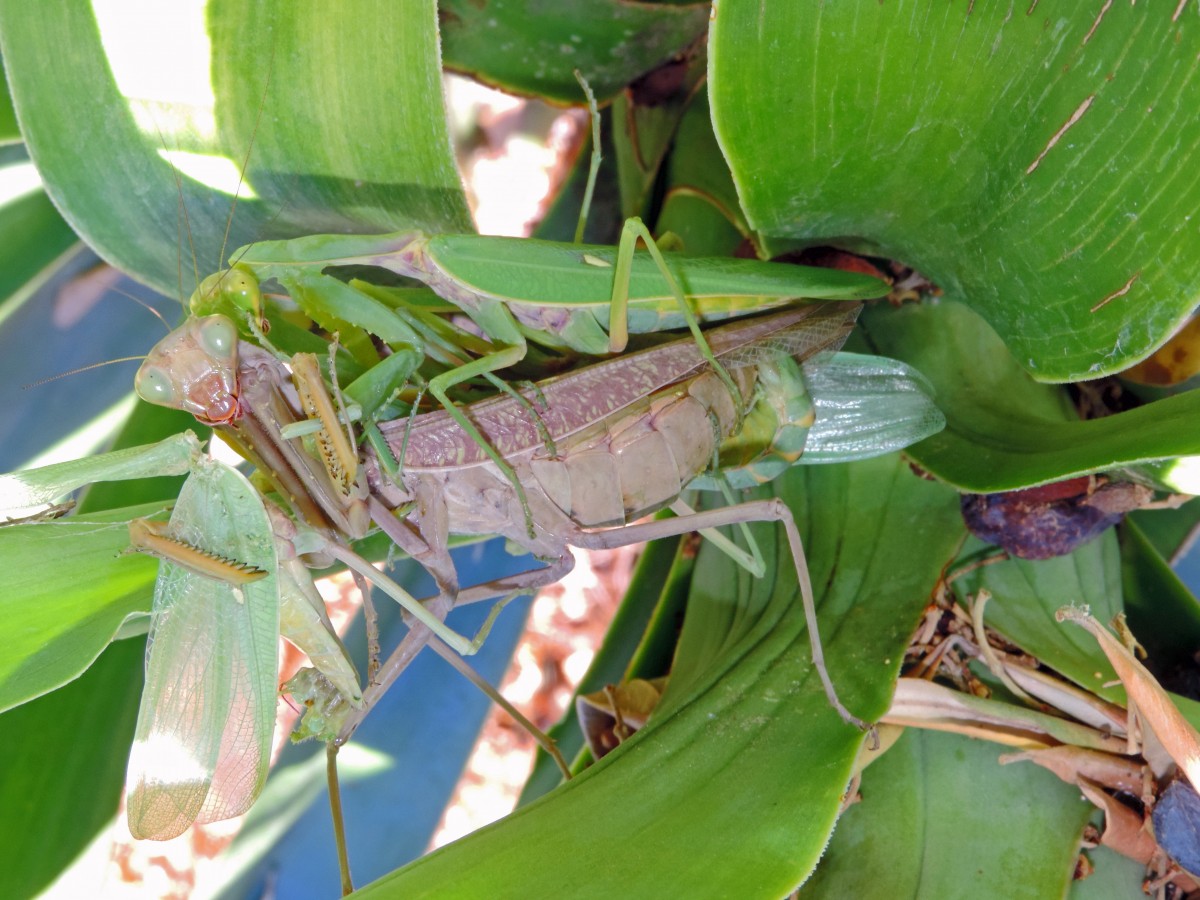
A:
x,y
1163,614
527,47
68,590
939,818
9,132
1169,530
60,779
1034,163
745,743
647,118
33,240
1005,431
1114,877
1027,593
332,143
701,203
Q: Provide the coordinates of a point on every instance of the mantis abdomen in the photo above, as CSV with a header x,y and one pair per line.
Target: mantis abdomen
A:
x,y
638,462
626,435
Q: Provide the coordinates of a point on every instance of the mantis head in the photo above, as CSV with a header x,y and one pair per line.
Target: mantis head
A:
x,y
232,292
194,368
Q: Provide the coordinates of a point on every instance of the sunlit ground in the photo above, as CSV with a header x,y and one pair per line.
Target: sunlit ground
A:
x,y
512,155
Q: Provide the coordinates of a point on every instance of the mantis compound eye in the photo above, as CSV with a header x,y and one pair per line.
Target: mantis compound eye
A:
x,y
217,336
155,386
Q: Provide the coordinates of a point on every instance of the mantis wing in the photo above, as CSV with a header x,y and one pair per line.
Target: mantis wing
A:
x,y
203,739
867,406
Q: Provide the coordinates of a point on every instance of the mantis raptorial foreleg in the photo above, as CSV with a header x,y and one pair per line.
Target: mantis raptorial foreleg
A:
x,y
341,465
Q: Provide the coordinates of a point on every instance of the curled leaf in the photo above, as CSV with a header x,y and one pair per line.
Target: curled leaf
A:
x,y
1117,773
1158,714
1123,828
609,716
927,705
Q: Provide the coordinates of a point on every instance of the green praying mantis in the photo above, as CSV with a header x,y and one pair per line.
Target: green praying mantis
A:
x,y
563,298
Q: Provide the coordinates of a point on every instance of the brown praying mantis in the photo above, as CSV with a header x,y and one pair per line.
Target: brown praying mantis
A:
x,y
646,424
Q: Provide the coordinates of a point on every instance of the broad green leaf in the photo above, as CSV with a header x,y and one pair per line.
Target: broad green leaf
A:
x,y
1036,163
647,117
1114,877
71,581
345,132
700,204
1163,612
68,589
1005,431
9,132
60,777
746,744
33,240
533,48
1027,593
939,817
1169,530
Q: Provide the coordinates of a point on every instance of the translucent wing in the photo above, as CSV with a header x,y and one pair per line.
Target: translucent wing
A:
x,y
203,739
867,406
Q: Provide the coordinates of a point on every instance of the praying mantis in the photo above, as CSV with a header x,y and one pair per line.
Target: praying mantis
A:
x,y
448,483
326,514
337,510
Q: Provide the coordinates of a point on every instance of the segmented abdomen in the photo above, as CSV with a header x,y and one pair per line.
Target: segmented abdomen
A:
x,y
633,464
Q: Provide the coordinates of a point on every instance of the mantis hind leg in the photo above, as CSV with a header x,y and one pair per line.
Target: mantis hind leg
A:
x,y
543,740
773,510
633,231
484,366
507,588
750,559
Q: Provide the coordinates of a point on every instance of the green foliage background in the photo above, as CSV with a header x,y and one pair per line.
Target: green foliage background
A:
x,y
1034,163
